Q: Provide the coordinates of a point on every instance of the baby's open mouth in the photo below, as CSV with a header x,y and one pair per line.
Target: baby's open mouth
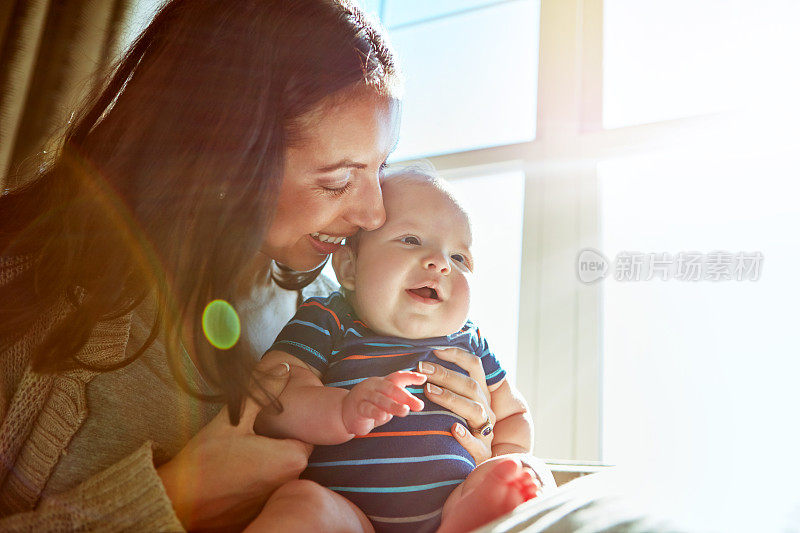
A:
x,y
425,292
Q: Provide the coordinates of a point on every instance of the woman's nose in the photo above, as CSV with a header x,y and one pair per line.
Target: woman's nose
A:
x,y
437,261
367,210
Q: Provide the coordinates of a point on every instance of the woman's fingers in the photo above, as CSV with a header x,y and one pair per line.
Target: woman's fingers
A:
x,y
210,493
479,449
247,420
267,384
451,380
474,412
469,362
466,360
472,385
467,396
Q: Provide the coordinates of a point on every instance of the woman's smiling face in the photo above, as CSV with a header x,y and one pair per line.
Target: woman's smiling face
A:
x,y
331,180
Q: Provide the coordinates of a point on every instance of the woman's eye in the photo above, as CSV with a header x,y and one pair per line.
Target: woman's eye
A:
x,y
411,240
337,190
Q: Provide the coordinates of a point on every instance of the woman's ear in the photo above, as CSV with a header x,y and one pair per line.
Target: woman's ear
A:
x,y
344,264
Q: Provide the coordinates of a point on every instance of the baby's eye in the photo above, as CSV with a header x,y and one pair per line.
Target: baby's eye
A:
x,y
463,260
411,240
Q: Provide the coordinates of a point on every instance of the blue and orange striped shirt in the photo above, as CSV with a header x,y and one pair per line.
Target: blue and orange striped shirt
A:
x,y
400,473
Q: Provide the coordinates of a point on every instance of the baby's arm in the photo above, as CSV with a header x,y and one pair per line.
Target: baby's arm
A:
x,y
513,428
329,415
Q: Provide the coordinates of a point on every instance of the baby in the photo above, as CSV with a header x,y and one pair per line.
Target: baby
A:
x,y
407,292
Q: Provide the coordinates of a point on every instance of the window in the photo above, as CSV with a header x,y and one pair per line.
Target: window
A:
x,y
677,59
495,204
685,348
719,185
659,127
470,75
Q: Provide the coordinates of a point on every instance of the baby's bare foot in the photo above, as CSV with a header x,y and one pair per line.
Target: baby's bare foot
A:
x,y
492,490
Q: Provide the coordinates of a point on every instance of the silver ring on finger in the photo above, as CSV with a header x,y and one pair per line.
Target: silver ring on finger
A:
x,y
485,429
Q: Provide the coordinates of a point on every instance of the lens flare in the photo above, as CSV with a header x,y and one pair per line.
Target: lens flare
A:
x,y
221,324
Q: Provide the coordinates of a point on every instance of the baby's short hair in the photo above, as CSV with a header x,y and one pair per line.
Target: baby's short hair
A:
x,y
418,173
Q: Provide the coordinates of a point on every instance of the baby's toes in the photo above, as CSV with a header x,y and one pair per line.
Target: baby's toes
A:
x,y
525,484
506,469
528,489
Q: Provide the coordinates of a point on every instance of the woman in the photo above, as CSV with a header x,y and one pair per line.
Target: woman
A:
x,y
231,135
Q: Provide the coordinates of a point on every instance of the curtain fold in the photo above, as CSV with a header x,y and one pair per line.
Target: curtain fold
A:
x,y
52,52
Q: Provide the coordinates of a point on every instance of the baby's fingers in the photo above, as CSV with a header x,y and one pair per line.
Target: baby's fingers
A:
x,y
392,401
401,396
396,388
373,412
404,378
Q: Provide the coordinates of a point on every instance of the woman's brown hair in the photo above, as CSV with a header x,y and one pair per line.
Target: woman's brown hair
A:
x,y
168,177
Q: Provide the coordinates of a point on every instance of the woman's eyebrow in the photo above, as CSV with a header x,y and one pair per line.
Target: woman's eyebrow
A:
x,y
344,163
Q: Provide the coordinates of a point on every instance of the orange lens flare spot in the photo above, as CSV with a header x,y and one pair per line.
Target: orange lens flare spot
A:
x,y
221,324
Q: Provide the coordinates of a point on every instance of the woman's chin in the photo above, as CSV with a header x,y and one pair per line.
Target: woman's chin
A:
x,y
303,264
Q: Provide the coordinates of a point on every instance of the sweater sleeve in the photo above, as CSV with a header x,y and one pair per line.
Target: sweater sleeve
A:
x,y
127,496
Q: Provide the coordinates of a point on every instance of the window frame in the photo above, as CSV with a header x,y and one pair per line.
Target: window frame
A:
x,y
560,324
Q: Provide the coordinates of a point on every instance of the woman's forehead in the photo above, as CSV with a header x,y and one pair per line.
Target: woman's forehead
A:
x,y
341,121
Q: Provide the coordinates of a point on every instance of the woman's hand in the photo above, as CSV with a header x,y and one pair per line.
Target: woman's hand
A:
x,y
225,473
466,396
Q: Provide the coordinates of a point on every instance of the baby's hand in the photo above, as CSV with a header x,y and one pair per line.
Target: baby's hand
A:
x,y
375,400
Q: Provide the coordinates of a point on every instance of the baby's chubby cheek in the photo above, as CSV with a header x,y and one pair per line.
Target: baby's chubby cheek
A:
x,y
458,317
456,309
376,308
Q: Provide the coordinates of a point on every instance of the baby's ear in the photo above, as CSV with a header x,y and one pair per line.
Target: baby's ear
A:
x,y
344,264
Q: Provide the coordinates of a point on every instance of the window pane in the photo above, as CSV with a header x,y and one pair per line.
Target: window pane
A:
x,y
495,204
667,60
470,79
698,375
373,7
399,12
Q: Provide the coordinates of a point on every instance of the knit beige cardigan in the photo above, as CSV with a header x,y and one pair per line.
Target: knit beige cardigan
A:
x,y
40,415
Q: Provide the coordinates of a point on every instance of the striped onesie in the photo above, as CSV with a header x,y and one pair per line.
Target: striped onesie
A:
x,y
401,473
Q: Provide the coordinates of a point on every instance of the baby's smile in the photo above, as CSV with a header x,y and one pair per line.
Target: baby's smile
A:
x,y
427,294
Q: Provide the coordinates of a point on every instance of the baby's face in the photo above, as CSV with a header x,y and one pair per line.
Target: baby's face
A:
x,y
412,276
